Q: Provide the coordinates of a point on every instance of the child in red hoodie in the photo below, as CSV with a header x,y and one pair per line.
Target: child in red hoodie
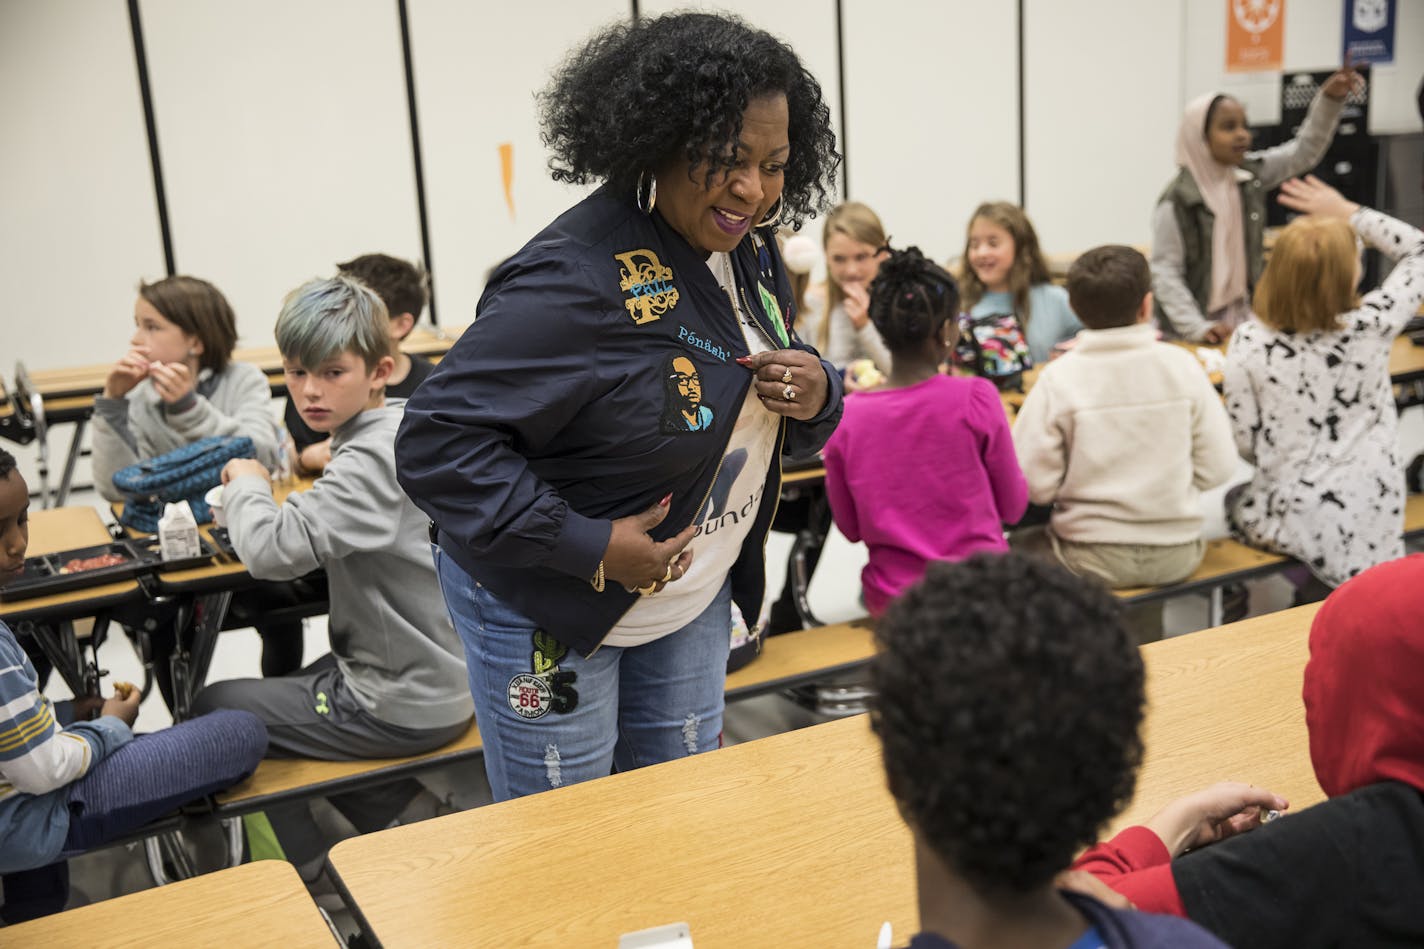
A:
x,y
1348,871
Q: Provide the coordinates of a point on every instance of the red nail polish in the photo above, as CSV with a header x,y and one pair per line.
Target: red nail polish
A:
x,y
665,500
744,360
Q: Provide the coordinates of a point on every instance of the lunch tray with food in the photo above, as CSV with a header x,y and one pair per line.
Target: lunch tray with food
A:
x,y
68,570
82,567
148,545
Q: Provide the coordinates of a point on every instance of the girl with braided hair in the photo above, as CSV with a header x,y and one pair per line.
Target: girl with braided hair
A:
x,y
924,468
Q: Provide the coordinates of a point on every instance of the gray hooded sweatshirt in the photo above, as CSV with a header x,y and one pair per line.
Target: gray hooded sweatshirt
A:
x,y
390,632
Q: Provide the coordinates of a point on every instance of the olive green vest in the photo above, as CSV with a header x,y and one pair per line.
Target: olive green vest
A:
x,y
1195,222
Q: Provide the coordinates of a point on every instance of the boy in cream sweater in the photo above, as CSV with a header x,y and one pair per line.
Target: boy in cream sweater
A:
x,y
1122,434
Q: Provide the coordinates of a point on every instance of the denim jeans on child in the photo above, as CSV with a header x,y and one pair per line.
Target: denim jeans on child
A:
x,y
549,716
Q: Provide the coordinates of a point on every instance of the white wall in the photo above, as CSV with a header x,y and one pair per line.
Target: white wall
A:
x,y
78,221
1100,118
477,69
931,105
285,142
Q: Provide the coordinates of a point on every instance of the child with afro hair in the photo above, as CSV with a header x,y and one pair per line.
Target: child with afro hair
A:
x,y
1010,733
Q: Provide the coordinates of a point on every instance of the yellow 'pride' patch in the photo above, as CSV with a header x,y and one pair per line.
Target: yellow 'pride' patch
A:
x,y
648,284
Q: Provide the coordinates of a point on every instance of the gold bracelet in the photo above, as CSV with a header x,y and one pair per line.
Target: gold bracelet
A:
x,y
597,580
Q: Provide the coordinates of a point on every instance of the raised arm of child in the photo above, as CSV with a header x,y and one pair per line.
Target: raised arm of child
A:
x,y
1305,151
1389,307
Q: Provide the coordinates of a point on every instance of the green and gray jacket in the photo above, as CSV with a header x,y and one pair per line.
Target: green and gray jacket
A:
x,y
1182,223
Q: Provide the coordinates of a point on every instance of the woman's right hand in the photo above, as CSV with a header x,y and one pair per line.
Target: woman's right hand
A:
x,y
635,560
1310,195
126,373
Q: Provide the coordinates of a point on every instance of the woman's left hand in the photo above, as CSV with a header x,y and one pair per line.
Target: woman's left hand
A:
x,y
789,382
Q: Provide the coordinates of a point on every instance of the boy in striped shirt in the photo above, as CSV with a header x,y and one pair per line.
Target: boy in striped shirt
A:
x,y
67,787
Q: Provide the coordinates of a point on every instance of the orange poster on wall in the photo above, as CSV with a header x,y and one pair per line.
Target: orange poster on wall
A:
x,y
1255,35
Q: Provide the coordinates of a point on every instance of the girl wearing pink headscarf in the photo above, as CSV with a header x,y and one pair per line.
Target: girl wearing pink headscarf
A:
x,y
1209,223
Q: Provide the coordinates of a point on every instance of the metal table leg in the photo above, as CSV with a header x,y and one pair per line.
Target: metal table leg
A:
x,y
76,448
194,654
61,646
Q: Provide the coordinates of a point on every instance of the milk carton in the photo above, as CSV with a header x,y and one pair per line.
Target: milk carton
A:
x,y
178,532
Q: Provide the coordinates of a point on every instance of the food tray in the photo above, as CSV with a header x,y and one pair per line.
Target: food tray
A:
x,y
46,575
148,546
223,541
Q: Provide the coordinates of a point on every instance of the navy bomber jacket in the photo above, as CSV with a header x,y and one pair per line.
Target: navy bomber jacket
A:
x,y
556,412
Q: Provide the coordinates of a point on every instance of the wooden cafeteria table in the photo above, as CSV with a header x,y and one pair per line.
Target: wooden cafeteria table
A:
x,y
257,904
790,840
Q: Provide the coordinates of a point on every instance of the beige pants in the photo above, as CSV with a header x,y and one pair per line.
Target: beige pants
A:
x,y
1130,565
1118,566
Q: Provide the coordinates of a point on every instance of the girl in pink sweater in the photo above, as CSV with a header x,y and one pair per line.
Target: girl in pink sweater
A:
x,y
924,468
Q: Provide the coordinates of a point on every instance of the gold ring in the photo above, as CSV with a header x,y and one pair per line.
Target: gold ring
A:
x,y
789,394
786,376
650,588
668,576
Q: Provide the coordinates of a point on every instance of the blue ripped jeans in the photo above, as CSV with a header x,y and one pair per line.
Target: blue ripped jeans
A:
x,y
550,717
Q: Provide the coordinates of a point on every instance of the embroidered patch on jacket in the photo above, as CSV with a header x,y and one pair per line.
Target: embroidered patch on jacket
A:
x,y
648,284
772,306
683,409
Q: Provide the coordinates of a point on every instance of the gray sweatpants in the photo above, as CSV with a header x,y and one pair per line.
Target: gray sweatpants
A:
x,y
312,714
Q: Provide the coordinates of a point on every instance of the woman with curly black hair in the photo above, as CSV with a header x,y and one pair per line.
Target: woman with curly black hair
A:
x,y
923,468
1009,701
589,551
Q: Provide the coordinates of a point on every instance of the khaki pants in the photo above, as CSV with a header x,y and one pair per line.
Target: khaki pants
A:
x,y
1130,565
1121,565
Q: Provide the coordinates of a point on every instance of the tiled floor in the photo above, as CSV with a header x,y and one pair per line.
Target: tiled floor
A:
x,y
834,595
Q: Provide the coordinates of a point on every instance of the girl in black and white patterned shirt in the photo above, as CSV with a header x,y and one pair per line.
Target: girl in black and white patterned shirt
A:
x,y
1308,389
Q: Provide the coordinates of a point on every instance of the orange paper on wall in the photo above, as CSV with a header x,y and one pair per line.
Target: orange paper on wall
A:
x,y
1255,35
506,171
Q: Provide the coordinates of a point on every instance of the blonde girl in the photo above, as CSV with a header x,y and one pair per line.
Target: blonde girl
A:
x,y
1307,386
1004,272
840,328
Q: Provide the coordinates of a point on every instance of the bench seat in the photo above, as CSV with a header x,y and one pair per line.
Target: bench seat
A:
x,y
785,660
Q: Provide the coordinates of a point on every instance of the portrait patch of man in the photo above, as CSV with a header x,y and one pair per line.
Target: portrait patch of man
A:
x,y
683,410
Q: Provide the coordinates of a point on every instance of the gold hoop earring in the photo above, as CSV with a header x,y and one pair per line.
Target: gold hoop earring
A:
x,y
771,219
647,183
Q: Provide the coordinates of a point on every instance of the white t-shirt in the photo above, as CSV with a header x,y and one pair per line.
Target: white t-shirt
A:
x,y
725,519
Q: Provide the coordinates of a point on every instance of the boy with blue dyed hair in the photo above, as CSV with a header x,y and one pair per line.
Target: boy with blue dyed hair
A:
x,y
393,683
